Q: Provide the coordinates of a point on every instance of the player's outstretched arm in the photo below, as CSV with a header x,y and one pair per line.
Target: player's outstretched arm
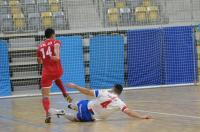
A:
x,y
132,113
81,89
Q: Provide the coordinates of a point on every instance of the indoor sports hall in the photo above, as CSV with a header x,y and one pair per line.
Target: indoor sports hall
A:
x,y
150,47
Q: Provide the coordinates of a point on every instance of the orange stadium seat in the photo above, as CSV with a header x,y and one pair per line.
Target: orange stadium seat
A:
x,y
15,6
47,19
19,21
140,14
146,3
153,13
54,5
120,4
113,16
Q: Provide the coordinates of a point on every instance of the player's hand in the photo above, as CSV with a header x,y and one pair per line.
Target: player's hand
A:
x,y
71,85
147,117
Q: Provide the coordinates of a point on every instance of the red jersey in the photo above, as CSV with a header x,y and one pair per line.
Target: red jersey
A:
x,y
44,51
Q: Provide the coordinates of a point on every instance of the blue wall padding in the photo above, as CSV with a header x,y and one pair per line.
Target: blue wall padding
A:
x,y
72,61
144,57
5,86
179,55
161,56
106,61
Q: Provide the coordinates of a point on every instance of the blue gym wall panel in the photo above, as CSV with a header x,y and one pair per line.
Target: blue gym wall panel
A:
x,y
5,86
106,61
144,57
179,54
72,61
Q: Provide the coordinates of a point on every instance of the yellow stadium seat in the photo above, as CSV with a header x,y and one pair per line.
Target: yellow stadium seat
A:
x,y
153,13
15,6
198,56
146,3
54,5
47,19
199,64
113,16
198,48
19,21
14,3
140,14
120,4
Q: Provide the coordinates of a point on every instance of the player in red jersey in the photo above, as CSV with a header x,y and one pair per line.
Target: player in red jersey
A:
x,y
48,54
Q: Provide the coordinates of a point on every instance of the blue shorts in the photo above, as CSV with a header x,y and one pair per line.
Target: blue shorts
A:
x,y
84,114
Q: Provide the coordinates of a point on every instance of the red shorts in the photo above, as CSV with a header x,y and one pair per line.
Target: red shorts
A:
x,y
47,80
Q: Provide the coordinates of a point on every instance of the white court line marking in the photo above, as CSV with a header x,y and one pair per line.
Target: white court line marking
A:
x,y
160,113
125,89
169,114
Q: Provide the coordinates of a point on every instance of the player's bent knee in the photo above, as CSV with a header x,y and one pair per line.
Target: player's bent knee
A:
x,y
45,92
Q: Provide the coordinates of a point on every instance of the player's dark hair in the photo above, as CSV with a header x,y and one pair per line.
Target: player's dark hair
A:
x,y
118,88
49,32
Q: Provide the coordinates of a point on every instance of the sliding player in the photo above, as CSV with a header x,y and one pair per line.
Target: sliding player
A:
x,y
104,104
48,54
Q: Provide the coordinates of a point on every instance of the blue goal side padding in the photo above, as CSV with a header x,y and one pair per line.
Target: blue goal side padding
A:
x,y
5,86
72,61
106,61
179,54
144,57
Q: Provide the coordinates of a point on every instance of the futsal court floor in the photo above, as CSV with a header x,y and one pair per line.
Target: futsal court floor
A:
x,y
175,109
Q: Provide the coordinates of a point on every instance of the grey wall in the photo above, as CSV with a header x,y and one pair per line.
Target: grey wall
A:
x,y
180,10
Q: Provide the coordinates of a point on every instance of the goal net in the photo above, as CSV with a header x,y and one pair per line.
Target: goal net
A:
x,y
136,43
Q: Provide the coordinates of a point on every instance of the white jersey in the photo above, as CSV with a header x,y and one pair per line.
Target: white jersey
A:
x,y
105,104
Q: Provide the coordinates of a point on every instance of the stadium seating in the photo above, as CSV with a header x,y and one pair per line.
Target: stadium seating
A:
x,y
113,16
125,16
4,8
140,14
153,13
7,23
59,20
143,12
43,5
15,6
29,6
111,13
146,3
54,5
19,21
109,4
47,19
132,3
120,3
34,21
